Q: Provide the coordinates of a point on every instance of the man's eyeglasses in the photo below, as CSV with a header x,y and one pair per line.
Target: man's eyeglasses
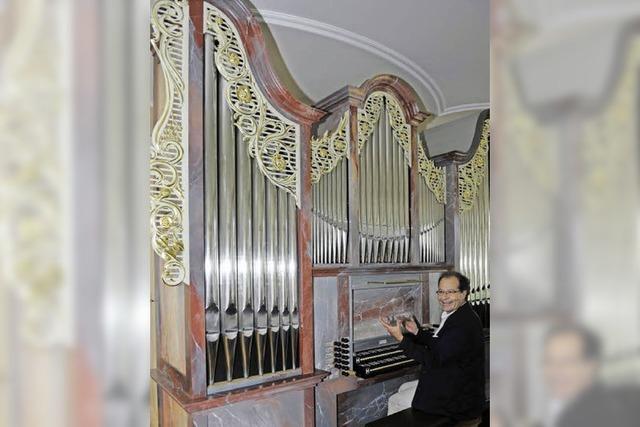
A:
x,y
451,292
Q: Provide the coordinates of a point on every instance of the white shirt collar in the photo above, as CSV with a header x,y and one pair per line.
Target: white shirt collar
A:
x,y
443,318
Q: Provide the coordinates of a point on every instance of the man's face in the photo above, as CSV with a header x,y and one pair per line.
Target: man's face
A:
x,y
566,371
449,297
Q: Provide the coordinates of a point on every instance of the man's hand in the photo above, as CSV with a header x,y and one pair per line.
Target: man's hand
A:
x,y
411,326
394,331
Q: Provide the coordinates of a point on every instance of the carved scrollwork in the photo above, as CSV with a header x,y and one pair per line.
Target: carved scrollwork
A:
x,y
474,171
271,139
169,141
432,175
470,176
369,115
327,151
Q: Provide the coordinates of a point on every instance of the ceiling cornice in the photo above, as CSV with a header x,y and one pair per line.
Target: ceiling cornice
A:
x,y
361,42
466,107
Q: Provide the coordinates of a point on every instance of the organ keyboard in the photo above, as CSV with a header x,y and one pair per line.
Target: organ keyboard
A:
x,y
380,360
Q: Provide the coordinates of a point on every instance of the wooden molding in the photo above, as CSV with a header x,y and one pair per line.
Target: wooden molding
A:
x,y
252,38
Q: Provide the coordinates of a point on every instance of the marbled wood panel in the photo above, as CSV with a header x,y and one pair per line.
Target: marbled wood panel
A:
x,y
305,271
172,326
194,293
282,410
366,404
325,319
370,304
153,328
172,413
326,399
426,297
153,404
343,305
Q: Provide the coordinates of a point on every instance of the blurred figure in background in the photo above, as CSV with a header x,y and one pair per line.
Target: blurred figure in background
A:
x,y
572,360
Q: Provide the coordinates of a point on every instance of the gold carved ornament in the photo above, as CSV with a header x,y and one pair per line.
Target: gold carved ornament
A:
x,y
432,175
328,150
369,115
470,176
271,139
472,173
36,168
169,141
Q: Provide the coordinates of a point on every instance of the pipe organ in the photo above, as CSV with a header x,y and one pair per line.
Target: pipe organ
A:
x,y
251,310
330,178
282,231
474,220
384,182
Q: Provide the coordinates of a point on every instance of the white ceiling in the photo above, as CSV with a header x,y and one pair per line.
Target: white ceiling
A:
x,y
441,47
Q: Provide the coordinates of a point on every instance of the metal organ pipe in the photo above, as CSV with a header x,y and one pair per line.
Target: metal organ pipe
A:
x,y
244,252
227,230
272,292
330,222
251,302
292,266
212,308
384,198
474,246
282,276
259,266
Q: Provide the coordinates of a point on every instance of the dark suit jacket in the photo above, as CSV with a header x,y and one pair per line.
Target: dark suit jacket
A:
x,y
452,374
601,406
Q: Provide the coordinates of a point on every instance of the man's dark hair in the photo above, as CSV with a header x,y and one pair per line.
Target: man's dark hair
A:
x,y
463,281
591,345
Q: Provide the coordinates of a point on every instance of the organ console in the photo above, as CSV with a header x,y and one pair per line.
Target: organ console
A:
x,y
283,231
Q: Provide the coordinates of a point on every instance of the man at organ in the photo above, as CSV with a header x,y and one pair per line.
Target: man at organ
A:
x,y
452,379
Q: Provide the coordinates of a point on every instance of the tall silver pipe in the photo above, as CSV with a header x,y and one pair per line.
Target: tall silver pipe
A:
x,y
381,185
424,222
273,309
339,207
376,193
389,147
327,218
463,246
323,207
318,222
341,191
227,230
407,238
323,222
405,211
370,197
335,236
430,223
293,282
363,203
434,218
329,182
283,277
259,265
470,240
212,308
314,223
382,175
395,222
345,210
485,231
245,251
477,245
